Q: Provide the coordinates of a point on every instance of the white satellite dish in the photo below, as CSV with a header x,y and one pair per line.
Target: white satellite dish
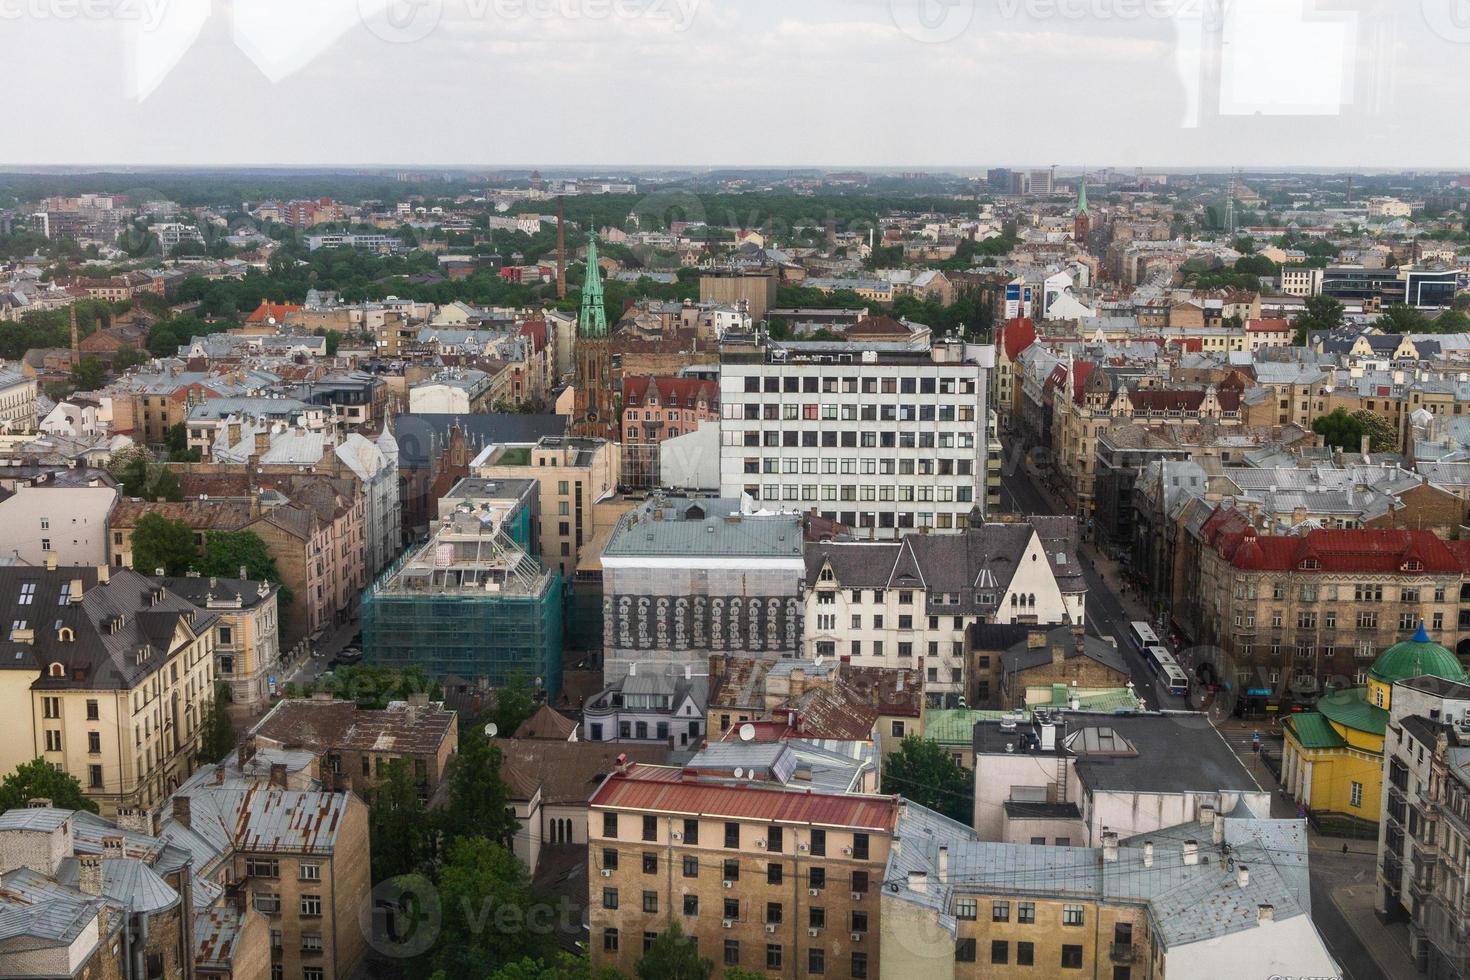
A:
x,y
739,772
747,732
491,730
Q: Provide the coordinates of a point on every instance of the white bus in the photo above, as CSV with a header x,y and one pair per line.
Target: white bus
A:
x,y
1142,635
1163,663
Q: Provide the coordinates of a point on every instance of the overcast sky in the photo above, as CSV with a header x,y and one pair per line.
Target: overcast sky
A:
x,y
916,83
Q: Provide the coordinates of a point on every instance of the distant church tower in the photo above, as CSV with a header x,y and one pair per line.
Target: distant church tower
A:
x,y
1082,223
595,411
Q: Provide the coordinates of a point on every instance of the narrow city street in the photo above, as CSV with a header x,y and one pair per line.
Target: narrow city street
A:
x,y
1342,880
1109,610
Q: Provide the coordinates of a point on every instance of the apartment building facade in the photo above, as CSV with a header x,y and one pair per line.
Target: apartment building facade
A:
x,y
882,437
767,879
910,604
108,680
247,649
1289,612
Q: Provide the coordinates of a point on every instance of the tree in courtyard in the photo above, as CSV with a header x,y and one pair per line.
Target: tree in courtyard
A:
x,y
490,917
1339,429
37,779
216,733
396,825
1380,431
161,543
674,956
479,802
928,775
1320,313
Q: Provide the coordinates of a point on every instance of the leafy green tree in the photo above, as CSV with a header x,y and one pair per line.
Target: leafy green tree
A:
x,y
1451,321
1339,429
166,486
128,357
513,705
485,893
1399,318
38,780
396,825
161,543
564,967
923,772
479,802
131,468
1320,313
88,374
226,552
1382,438
216,733
674,956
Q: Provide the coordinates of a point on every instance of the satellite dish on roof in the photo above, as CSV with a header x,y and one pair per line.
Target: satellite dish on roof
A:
x,y
747,732
739,772
491,730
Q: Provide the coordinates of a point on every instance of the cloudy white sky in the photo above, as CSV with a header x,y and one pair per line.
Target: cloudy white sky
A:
x,y
916,83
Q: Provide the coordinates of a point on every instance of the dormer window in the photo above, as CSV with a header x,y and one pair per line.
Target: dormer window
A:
x,y
65,635
825,575
57,670
1309,564
1413,565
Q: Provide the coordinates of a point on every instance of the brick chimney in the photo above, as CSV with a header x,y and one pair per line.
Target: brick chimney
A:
x,y
278,775
181,809
89,874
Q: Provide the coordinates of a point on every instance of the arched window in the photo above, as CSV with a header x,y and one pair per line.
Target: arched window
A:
x,y
58,670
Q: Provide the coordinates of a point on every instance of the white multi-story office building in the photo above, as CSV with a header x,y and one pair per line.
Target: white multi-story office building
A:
x,y
883,437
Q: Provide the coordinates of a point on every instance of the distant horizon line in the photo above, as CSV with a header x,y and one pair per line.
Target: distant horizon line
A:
x,y
614,169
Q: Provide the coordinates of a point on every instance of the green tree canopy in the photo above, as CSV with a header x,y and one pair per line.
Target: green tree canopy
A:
x,y
479,802
38,780
1382,437
490,917
1340,429
88,374
1399,318
216,733
161,543
166,486
674,956
396,825
923,772
1320,313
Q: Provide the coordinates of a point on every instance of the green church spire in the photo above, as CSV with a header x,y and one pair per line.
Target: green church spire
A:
x,y
1082,196
593,322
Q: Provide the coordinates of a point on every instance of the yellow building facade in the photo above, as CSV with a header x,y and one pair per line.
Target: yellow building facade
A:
x,y
1332,763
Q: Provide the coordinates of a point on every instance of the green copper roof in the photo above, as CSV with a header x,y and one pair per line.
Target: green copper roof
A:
x,y
1350,709
1312,731
1415,658
1082,196
593,322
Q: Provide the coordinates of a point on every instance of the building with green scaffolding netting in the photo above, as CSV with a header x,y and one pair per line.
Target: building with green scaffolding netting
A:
x,y
470,602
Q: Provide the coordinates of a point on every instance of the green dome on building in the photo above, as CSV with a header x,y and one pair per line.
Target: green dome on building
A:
x,y
1415,658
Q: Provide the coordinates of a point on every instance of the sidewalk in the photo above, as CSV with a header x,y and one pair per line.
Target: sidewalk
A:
x,y
1387,944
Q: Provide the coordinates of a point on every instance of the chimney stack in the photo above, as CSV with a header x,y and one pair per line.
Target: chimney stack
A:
x,y
112,846
1191,853
89,874
1217,834
1242,875
919,881
1148,854
943,862
1110,847
1265,912
181,809
1207,815
278,775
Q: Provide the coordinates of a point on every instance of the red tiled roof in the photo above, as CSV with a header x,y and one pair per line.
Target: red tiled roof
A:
x,y
663,789
536,330
1268,326
875,326
1080,371
1358,550
268,311
672,392
1017,335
